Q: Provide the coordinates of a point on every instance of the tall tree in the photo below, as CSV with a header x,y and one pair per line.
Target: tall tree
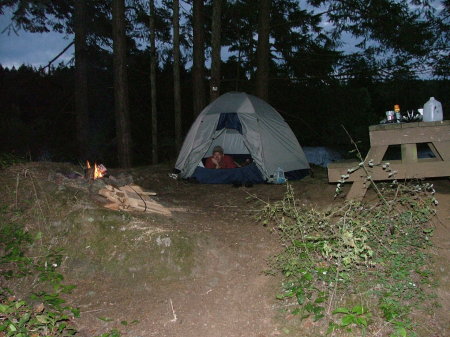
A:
x,y
153,82
215,49
121,84
198,67
263,50
390,30
176,73
81,80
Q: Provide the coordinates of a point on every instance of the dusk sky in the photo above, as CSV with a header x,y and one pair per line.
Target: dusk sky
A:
x,y
33,49
37,49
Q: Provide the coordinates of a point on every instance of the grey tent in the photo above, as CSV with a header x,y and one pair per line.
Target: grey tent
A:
x,y
243,125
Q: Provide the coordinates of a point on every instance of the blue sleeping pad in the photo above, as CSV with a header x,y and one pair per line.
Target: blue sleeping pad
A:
x,y
245,174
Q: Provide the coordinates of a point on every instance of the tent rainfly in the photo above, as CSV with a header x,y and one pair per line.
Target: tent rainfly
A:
x,y
246,127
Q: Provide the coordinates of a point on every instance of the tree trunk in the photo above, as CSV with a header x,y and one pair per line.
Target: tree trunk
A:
x,y
263,50
238,63
176,74
215,52
153,83
121,84
81,83
198,67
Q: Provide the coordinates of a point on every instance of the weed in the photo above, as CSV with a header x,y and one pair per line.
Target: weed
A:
x,y
19,318
9,159
375,252
112,333
357,316
13,262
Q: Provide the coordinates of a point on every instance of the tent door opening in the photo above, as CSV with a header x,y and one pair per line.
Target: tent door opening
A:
x,y
229,136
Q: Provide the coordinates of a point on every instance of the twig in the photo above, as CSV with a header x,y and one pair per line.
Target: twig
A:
x,y
36,195
145,204
26,172
174,319
368,175
254,196
334,291
58,56
90,311
17,189
396,193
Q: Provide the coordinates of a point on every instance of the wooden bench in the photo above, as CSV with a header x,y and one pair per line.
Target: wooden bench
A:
x,y
407,135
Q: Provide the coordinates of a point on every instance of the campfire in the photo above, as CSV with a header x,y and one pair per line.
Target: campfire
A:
x,y
95,172
120,192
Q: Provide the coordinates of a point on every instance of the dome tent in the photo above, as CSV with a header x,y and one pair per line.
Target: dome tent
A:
x,y
243,125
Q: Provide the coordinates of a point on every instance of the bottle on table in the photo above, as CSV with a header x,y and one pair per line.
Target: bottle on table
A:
x,y
432,111
398,115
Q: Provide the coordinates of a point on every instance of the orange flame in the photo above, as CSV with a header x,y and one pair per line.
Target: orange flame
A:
x,y
99,170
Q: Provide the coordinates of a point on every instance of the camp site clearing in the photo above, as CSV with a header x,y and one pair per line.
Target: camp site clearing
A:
x,y
198,272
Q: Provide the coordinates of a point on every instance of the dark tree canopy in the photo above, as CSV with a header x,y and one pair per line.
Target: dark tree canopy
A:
x,y
400,57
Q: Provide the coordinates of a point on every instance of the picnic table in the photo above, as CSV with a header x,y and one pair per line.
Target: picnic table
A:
x,y
411,166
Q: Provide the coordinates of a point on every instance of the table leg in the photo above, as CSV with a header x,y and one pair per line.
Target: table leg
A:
x,y
360,185
409,153
376,154
358,190
443,148
435,151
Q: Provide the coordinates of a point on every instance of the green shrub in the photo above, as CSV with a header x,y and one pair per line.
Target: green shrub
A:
x,y
355,248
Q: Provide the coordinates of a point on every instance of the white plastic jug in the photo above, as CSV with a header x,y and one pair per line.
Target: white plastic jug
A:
x,y
432,111
279,177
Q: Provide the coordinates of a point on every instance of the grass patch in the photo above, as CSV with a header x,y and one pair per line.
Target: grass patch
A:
x,y
44,312
358,268
41,309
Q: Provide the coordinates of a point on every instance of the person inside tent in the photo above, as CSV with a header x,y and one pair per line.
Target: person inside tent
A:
x,y
219,160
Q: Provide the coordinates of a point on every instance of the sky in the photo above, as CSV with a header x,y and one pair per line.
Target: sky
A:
x,y
35,49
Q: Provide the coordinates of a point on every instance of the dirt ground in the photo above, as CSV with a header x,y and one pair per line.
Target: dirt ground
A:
x,y
226,292
441,254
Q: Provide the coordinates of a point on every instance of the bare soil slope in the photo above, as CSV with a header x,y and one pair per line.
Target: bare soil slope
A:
x,y
198,273
227,292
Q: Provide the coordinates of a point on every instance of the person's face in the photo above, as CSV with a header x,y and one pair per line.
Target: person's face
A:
x,y
218,156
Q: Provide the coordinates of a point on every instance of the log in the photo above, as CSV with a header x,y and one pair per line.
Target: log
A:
x,y
89,173
132,198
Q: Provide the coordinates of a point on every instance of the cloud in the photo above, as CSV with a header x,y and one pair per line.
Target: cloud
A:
x,y
35,49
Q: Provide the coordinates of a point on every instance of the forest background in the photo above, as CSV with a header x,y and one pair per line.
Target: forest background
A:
x,y
143,70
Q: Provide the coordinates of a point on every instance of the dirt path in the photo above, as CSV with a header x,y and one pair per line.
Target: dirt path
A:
x,y
227,294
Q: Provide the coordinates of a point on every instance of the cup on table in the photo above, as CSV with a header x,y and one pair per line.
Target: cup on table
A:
x,y
390,116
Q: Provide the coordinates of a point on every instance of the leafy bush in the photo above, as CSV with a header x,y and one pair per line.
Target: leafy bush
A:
x,y
355,248
20,319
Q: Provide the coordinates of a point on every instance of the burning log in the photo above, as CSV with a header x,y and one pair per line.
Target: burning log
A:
x,y
94,172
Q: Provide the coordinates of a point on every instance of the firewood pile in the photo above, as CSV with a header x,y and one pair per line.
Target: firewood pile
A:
x,y
120,191
132,198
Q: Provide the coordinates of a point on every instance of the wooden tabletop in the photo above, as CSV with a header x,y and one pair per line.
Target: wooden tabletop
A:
x,y
390,126
409,133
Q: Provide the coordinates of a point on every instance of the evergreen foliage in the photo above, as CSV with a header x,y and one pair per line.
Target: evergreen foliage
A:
x,y
313,83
